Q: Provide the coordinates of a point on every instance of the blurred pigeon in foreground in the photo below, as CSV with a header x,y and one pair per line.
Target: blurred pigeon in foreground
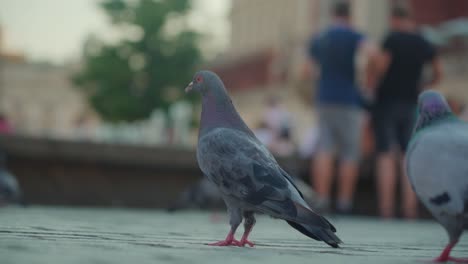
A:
x,y
437,166
248,177
9,189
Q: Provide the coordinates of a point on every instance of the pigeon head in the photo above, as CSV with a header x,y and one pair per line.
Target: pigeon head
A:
x,y
432,107
205,82
217,107
433,104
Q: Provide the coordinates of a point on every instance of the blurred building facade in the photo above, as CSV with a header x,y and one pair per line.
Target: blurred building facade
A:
x,y
39,99
269,40
266,56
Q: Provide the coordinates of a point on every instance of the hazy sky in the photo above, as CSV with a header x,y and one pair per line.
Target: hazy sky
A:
x,y
54,30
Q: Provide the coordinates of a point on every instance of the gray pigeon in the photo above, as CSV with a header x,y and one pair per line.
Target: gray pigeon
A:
x,y
437,165
9,189
247,175
202,195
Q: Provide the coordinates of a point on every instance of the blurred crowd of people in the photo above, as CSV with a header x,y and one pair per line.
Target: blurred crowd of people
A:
x,y
380,95
393,78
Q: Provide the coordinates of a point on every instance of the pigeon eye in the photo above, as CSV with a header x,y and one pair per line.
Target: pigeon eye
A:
x,y
199,79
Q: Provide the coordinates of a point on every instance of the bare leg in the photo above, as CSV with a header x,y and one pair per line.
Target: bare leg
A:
x,y
322,175
410,202
386,180
235,218
249,222
347,183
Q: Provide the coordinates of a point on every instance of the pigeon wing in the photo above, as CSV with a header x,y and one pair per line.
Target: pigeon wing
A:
x,y
438,169
245,171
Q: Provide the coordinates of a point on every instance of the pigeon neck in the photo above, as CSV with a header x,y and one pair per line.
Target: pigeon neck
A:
x,y
218,111
427,119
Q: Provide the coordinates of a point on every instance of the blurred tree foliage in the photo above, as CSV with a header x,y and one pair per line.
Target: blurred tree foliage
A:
x,y
148,68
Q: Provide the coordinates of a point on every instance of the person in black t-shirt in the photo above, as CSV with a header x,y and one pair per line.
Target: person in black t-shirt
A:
x,y
404,55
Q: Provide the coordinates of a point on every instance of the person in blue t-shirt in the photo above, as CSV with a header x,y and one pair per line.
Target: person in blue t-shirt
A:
x,y
339,108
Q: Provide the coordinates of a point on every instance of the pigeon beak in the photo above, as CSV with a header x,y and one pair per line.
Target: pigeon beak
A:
x,y
189,87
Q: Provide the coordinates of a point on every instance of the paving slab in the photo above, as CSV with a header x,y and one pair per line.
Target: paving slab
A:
x,y
52,235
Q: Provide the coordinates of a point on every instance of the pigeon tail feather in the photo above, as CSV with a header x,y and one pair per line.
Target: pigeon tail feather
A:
x,y
317,233
314,226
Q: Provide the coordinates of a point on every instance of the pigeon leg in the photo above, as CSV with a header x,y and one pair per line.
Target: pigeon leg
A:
x,y
235,220
249,222
445,255
229,241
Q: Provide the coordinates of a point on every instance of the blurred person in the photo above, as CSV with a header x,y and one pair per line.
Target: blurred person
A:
x,y
276,132
400,65
308,143
275,116
264,133
282,144
339,107
456,105
5,126
83,129
464,113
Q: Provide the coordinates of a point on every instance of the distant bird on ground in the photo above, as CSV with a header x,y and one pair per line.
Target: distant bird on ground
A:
x,y
202,195
9,189
247,175
206,195
437,166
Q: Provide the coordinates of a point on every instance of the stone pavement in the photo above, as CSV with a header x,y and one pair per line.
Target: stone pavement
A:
x,y
100,235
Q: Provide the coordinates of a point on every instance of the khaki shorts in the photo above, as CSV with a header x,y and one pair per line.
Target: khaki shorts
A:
x,y
340,129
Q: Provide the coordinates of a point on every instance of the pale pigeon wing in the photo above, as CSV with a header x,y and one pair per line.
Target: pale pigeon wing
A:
x,y
437,166
248,174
